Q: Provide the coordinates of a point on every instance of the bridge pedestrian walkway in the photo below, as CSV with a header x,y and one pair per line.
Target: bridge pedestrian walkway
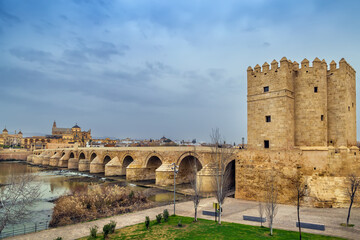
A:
x,y
233,211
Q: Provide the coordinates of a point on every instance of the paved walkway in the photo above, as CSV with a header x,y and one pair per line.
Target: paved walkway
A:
x,y
234,209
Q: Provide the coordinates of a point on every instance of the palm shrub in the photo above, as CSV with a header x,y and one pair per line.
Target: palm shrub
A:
x,y
166,215
93,232
107,229
158,218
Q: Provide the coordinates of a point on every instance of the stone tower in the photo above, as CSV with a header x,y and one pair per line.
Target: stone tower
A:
x,y
291,106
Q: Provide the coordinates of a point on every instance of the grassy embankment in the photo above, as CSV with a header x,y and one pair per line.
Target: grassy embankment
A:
x,y
203,229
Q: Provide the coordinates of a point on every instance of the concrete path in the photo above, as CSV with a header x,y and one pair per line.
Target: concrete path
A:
x,y
234,210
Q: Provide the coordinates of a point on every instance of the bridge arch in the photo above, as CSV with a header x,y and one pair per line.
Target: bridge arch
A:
x,y
92,156
106,159
72,155
81,155
153,159
153,162
187,164
126,161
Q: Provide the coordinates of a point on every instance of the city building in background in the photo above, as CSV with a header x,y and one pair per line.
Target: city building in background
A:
x,y
11,140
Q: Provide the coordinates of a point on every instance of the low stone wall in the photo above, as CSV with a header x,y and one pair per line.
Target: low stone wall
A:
x,y
14,155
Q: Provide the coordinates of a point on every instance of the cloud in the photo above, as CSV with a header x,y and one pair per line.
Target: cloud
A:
x,y
9,18
31,55
98,51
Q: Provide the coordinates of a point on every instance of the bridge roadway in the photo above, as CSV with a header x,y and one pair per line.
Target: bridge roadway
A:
x,y
137,163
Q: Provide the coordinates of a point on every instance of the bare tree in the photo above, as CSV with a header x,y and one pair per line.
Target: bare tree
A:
x,y
195,185
221,155
16,199
271,195
299,187
353,185
261,212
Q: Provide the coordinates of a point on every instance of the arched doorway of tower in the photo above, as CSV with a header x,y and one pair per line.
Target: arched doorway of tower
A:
x,y
230,173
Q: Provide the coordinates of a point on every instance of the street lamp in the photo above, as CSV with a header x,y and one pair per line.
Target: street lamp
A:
x,y
175,168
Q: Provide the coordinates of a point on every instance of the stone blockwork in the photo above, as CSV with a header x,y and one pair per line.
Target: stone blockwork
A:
x,y
290,106
324,171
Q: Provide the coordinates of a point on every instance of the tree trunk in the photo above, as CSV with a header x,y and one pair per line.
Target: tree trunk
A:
x,y
195,214
298,215
219,213
348,217
2,226
271,230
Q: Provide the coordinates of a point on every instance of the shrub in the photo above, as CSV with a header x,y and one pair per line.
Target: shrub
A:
x,y
113,225
166,215
58,238
131,195
93,231
95,202
107,229
147,222
179,223
158,218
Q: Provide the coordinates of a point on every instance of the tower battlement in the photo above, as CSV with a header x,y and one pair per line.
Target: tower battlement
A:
x,y
306,104
305,65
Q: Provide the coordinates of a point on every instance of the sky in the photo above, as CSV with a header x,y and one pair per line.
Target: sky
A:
x,y
146,69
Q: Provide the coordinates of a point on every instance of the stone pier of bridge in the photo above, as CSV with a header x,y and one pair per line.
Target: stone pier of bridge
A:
x,y
136,163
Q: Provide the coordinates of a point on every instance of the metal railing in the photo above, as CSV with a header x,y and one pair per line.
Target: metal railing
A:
x,y
11,231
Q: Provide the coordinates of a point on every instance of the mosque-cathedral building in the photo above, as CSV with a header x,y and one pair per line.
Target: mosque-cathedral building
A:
x,y
60,137
14,140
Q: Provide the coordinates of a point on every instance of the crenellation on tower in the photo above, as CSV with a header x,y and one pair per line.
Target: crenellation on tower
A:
x,y
284,63
317,63
305,63
265,67
332,65
291,106
295,65
274,65
257,68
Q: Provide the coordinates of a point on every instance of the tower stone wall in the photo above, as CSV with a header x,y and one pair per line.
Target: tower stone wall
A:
x,y
291,106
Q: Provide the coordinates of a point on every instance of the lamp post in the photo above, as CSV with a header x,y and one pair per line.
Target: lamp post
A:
x,y
175,168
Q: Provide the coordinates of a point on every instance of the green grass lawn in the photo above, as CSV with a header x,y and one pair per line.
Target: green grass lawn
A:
x,y
203,229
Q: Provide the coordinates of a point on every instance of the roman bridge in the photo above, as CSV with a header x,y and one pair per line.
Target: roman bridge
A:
x,y
137,163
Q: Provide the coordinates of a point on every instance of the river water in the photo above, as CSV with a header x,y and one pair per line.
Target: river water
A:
x,y
55,183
